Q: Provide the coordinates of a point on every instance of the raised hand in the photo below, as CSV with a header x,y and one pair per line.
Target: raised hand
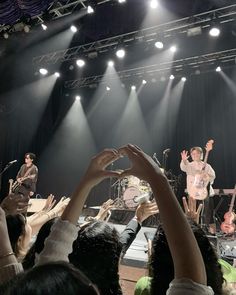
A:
x,y
60,206
184,155
96,171
104,210
191,210
142,165
145,210
50,202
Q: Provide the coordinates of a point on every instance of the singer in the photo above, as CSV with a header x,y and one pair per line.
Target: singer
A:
x,y
28,175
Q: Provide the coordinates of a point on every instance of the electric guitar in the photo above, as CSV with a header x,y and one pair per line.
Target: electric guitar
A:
x,y
228,225
198,190
20,181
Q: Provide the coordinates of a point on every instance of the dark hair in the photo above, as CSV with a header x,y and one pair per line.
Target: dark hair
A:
x,y
16,228
54,278
96,251
31,155
29,260
163,268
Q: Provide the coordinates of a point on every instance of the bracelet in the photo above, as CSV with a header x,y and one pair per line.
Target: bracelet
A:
x,y
6,255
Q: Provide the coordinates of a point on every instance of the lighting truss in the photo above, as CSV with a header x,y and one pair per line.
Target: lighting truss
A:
x,y
55,10
206,61
180,26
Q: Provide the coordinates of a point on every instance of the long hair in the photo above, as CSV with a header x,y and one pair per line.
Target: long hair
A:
x,y
53,278
29,260
16,228
96,252
163,267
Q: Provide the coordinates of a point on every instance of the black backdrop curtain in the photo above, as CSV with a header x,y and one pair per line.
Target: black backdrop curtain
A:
x,y
207,110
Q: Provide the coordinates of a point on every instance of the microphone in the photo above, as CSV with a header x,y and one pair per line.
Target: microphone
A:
x,y
155,158
12,162
166,151
144,198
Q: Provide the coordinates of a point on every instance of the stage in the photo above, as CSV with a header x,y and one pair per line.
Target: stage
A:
x,y
136,256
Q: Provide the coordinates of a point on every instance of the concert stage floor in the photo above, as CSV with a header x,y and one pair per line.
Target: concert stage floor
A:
x,y
136,255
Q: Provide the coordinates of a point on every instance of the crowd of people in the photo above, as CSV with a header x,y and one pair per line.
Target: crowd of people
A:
x,y
71,258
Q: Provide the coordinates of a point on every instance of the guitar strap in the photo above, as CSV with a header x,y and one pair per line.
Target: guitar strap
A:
x,y
28,171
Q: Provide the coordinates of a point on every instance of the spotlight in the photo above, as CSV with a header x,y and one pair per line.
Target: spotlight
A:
x,y
111,63
144,82
153,4
26,28
159,45
133,87
44,27
90,9
121,1
172,77
218,69
78,98
108,88
57,74
43,71
173,48
214,32
73,29
183,79
5,35
80,63
120,53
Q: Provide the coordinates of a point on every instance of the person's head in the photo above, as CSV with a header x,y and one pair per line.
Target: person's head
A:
x,y
163,268
29,158
196,153
96,252
54,278
19,233
31,256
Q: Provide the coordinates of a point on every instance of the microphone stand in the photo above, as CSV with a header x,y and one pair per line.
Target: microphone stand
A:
x,y
164,160
1,173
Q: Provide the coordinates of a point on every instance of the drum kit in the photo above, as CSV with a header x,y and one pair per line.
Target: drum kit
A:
x,y
129,192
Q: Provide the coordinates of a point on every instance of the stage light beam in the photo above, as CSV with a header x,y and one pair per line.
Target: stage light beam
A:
x,y
80,63
110,63
214,32
153,4
183,79
44,27
73,29
43,71
120,53
159,45
218,69
78,97
90,9
172,77
173,48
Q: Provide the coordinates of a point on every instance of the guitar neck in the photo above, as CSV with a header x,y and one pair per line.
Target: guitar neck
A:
x,y
205,160
232,200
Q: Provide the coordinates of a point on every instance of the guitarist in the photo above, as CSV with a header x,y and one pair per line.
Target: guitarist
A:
x,y
28,175
192,169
